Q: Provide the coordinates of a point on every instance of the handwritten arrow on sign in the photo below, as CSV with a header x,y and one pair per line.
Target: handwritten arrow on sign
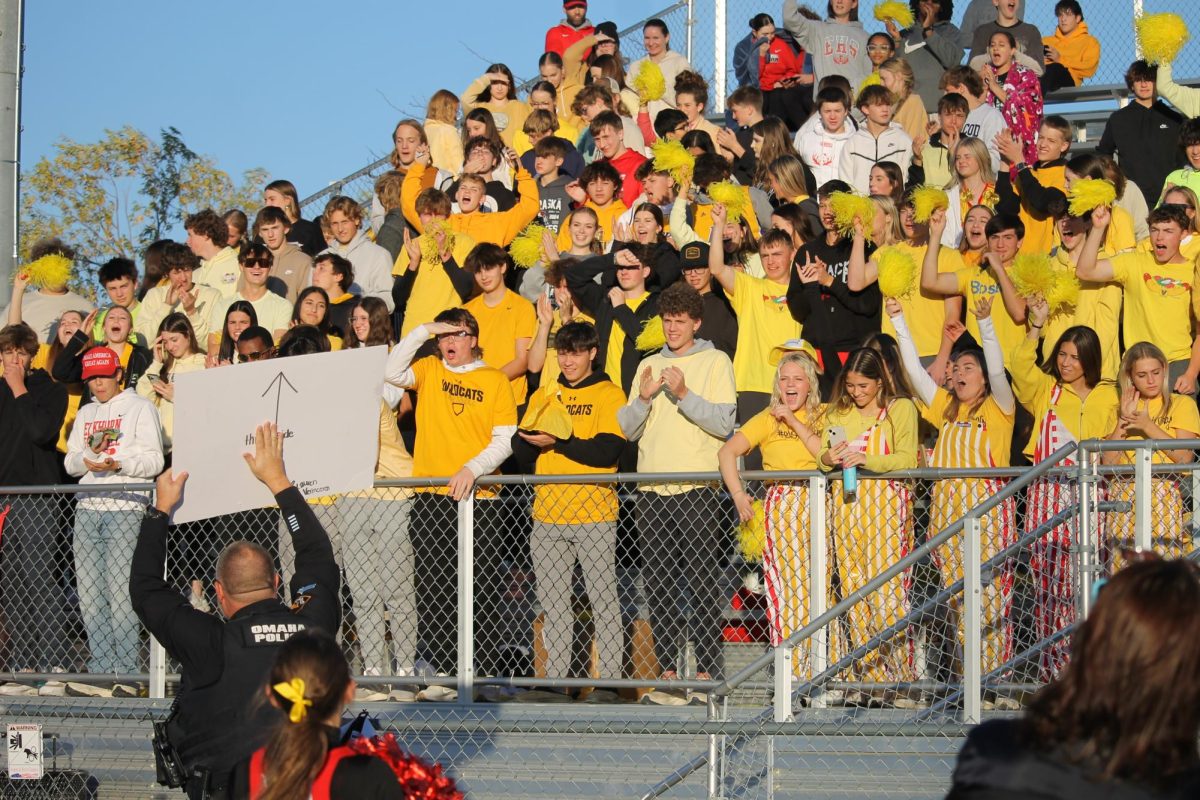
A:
x,y
277,383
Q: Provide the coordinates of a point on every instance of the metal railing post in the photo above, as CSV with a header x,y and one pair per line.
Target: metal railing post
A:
x,y
158,669
1142,496
466,599
972,620
783,684
1085,537
715,747
818,569
691,21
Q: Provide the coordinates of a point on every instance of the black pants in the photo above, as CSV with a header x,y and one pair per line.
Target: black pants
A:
x,y
433,528
1054,78
793,105
749,404
684,536
34,600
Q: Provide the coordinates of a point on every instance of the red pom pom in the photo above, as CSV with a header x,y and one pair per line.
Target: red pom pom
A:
x,y
420,779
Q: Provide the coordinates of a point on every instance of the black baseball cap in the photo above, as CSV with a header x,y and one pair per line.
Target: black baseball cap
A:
x,y
694,256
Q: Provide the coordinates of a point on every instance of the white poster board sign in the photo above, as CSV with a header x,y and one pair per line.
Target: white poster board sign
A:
x,y
24,752
326,405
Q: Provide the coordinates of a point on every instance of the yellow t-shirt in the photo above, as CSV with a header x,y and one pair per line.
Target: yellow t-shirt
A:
x,y
781,448
924,312
896,434
1158,301
997,423
593,408
763,322
974,283
432,293
456,412
1183,422
500,326
616,343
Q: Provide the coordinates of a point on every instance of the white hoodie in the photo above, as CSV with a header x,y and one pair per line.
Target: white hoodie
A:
x,y
863,151
137,449
821,150
372,267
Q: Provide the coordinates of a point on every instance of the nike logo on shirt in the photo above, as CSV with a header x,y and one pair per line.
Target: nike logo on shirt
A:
x,y
910,47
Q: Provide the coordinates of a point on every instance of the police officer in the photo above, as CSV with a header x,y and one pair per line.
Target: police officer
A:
x,y
225,662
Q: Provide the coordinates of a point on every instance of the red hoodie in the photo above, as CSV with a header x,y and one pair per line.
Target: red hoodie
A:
x,y
562,36
626,166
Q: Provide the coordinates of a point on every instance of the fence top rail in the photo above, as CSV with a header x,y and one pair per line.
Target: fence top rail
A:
x,y
1110,445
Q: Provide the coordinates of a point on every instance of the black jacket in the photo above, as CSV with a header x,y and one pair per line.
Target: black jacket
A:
x,y
1147,140
29,427
223,716
307,234
719,325
592,297
68,367
995,764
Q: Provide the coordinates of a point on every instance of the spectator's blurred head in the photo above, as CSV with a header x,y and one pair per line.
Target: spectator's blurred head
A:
x,y
762,26
1168,226
971,158
333,273
656,38
693,262
898,76
575,11
975,229
833,105
592,100
657,184
1054,138
1140,79
179,262
432,204
254,344
550,67
272,225
698,143
236,224
245,574
502,87
442,107
18,345
1189,140
608,39
460,346
964,81
178,338
887,179
670,124
407,137
119,277
1069,14
880,48
207,233
471,192
303,340
282,194
118,324
710,168
387,189
746,105
102,372
583,226
647,223
775,248
488,263
601,181
344,217
549,153
312,308
691,95
479,121
634,265
544,97
952,112
1128,704
153,272
1005,232
682,310
255,260
576,344
370,323
1185,198
876,103
481,154
609,133
792,219
842,10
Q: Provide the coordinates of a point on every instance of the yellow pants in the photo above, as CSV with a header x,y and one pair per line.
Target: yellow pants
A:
x,y
951,499
786,568
871,530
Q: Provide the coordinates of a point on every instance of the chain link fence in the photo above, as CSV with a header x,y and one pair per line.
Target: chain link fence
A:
x,y
841,649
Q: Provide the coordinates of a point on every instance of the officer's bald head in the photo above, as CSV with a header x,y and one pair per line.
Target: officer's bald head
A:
x,y
246,572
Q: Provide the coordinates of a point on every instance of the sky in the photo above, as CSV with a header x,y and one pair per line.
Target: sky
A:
x,y
311,90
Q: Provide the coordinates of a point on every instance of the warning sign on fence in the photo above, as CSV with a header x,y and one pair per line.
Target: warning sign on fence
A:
x,y
24,752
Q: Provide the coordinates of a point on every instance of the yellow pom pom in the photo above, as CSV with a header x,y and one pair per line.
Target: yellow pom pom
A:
x,y
526,249
674,158
546,413
649,82
429,246
652,336
872,79
752,535
52,270
848,207
897,272
1064,290
927,199
1161,36
1089,193
1032,275
735,199
899,13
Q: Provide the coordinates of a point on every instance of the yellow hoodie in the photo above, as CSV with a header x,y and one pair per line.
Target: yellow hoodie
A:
x,y
499,227
1078,51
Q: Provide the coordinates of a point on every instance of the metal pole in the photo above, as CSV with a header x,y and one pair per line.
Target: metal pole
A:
x,y
1085,536
1142,495
972,620
818,569
719,57
691,20
714,750
466,599
12,47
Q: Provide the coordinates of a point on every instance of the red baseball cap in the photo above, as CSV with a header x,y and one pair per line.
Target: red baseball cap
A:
x,y
100,362
574,3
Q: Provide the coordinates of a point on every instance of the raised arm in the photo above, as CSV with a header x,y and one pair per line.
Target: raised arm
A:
x,y
725,274
536,358
1016,306
681,232
943,283
1090,266
997,378
924,385
860,273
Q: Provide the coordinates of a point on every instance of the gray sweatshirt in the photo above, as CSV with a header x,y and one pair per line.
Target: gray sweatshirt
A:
x,y
836,48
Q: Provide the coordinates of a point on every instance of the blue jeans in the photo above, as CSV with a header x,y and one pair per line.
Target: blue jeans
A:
x,y
104,543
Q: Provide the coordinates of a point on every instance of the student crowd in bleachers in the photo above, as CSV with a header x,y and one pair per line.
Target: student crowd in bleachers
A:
x,y
886,259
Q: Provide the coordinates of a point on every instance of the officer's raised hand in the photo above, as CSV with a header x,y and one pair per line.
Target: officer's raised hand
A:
x,y
267,461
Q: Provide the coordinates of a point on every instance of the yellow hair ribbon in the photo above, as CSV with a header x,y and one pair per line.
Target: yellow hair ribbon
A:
x,y
293,691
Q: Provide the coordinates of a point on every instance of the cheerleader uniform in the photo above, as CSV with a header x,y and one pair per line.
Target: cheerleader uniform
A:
x,y
786,554
974,439
1170,536
1060,417
872,528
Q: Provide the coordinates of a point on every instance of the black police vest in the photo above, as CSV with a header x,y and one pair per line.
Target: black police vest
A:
x,y
221,724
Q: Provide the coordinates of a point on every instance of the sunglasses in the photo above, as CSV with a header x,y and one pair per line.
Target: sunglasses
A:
x,y
453,335
253,263
261,354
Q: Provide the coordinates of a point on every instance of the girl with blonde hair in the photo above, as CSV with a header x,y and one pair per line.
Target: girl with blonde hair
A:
x,y
897,75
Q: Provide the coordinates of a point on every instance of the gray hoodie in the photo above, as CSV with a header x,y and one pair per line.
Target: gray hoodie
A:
x,y
836,48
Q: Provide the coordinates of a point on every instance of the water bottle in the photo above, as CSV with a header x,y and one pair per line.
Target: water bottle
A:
x,y
849,480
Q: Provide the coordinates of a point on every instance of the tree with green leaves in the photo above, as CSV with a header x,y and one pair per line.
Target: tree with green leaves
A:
x,y
115,196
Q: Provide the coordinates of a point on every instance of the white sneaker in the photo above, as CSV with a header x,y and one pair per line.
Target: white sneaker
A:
x,y
438,694
370,694
52,689
87,690
665,697
18,690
